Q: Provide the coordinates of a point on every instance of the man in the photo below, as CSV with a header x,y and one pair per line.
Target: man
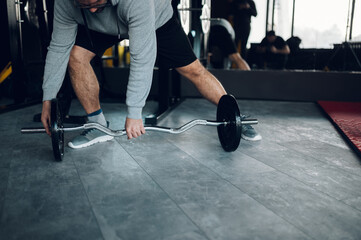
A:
x,y
242,11
273,51
86,28
222,46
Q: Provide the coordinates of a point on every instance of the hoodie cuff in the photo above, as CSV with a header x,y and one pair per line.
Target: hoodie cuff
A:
x,y
134,113
48,95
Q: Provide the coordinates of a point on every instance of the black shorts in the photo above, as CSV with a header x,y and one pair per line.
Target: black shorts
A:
x,y
173,46
219,37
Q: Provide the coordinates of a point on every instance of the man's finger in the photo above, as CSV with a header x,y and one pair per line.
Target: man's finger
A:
x,y
131,134
49,124
46,125
45,116
134,133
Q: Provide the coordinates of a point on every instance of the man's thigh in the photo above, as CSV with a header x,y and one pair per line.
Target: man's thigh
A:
x,y
173,47
97,42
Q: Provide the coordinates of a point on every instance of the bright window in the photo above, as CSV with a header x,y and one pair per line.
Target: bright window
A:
x,y
319,23
258,24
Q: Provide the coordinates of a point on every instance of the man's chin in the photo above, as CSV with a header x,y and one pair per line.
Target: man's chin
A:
x,y
99,10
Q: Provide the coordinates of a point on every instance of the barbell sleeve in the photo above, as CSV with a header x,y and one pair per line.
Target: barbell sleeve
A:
x,y
249,121
33,130
190,9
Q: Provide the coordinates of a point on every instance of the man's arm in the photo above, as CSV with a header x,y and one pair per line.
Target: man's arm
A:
x,y
239,61
62,41
143,50
284,50
280,47
63,37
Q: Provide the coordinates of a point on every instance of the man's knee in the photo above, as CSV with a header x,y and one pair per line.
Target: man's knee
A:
x,y
79,55
193,70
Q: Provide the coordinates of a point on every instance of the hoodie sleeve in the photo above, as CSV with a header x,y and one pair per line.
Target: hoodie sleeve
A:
x,y
62,41
143,49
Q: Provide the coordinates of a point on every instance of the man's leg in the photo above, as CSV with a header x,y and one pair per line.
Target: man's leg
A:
x,y
244,34
212,90
86,88
239,61
205,82
175,51
83,78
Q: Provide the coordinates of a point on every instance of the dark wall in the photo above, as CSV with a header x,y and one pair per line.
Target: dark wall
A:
x,y
336,59
4,46
25,46
286,85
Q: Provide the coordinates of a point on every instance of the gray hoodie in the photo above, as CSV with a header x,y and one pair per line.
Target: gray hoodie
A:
x,y
137,20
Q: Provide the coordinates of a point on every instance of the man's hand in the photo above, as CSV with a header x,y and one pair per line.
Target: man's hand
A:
x,y
134,127
45,116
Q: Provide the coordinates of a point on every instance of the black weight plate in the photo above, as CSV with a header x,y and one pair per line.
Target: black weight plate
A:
x,y
57,136
229,134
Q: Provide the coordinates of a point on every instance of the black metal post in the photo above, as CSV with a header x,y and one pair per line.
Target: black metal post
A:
x,y
351,20
273,14
197,29
267,16
45,16
293,17
163,97
15,38
164,88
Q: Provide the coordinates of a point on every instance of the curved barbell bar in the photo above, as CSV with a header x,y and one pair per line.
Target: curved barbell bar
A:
x,y
117,133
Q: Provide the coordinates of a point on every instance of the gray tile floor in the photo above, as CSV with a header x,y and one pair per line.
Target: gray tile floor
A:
x,y
302,181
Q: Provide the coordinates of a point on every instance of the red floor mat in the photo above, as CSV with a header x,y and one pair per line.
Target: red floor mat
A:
x,y
347,117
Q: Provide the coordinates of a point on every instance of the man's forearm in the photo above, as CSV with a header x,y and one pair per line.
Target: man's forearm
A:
x,y
285,50
54,73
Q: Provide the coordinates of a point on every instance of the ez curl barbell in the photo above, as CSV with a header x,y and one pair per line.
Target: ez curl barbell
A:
x,y
229,126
